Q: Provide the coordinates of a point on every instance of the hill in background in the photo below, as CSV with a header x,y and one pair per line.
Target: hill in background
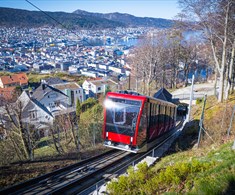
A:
x,y
79,19
130,20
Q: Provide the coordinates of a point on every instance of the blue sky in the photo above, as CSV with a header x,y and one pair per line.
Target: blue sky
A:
x,y
143,8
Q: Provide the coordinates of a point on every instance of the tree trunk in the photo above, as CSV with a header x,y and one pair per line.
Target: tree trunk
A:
x,y
231,67
221,87
55,142
215,83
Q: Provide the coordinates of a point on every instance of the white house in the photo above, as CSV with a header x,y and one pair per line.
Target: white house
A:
x,y
34,113
94,88
53,99
72,90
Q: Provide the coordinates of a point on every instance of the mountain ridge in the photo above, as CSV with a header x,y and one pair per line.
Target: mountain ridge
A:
x,y
130,20
10,17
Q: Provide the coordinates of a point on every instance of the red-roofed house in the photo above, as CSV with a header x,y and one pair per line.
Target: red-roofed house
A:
x,y
20,79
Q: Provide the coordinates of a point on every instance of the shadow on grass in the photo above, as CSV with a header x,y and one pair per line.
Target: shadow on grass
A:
x,y
187,139
231,187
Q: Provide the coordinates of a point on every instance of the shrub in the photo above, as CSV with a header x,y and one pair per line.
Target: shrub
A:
x,y
89,103
199,100
147,181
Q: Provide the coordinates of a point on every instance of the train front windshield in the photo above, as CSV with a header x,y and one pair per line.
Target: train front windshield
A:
x,y
121,115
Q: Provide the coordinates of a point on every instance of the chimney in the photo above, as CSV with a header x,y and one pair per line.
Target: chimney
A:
x,y
43,86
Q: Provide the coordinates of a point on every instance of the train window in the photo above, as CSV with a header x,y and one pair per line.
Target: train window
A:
x,y
119,116
164,116
158,115
154,114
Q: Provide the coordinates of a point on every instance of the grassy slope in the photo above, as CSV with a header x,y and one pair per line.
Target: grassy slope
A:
x,y
209,169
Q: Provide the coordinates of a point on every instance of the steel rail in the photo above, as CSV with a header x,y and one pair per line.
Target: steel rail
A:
x,y
34,181
63,179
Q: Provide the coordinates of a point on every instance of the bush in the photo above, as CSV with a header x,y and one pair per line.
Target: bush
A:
x,y
147,181
199,100
89,103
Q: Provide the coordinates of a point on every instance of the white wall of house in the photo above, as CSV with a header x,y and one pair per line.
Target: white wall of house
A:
x,y
36,116
115,69
95,88
86,86
104,66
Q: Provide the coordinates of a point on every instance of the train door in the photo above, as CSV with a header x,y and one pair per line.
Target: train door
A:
x,y
148,105
170,118
158,119
161,119
167,118
151,121
143,126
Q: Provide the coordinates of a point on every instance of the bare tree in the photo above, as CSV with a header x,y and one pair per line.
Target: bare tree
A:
x,y
20,133
213,17
149,62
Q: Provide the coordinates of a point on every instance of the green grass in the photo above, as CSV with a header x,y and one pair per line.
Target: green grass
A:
x,y
201,171
44,151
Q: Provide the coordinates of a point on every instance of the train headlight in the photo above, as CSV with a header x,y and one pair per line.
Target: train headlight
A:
x,y
109,143
127,147
108,103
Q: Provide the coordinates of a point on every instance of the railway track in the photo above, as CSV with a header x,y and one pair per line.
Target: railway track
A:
x,y
51,182
82,176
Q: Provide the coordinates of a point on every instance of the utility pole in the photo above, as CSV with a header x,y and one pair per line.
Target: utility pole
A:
x,y
190,101
201,121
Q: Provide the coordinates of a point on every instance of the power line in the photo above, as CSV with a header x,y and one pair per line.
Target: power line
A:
x,y
55,20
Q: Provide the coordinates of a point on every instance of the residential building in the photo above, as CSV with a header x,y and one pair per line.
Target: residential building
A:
x,y
53,99
36,114
94,88
20,79
73,92
52,81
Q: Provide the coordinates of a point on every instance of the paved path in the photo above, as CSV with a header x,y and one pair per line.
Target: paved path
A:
x,y
203,88
199,90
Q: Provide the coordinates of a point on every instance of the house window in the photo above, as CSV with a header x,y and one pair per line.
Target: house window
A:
x,y
99,88
33,115
57,103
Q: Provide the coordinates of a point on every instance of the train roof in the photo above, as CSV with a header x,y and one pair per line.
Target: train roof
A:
x,y
137,96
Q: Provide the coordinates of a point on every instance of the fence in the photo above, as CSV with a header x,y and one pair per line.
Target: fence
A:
x,y
186,96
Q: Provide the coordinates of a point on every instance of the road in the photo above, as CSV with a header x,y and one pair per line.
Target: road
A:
x,y
199,90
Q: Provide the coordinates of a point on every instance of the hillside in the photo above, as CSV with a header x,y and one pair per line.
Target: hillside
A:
x,y
130,20
79,19
23,18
